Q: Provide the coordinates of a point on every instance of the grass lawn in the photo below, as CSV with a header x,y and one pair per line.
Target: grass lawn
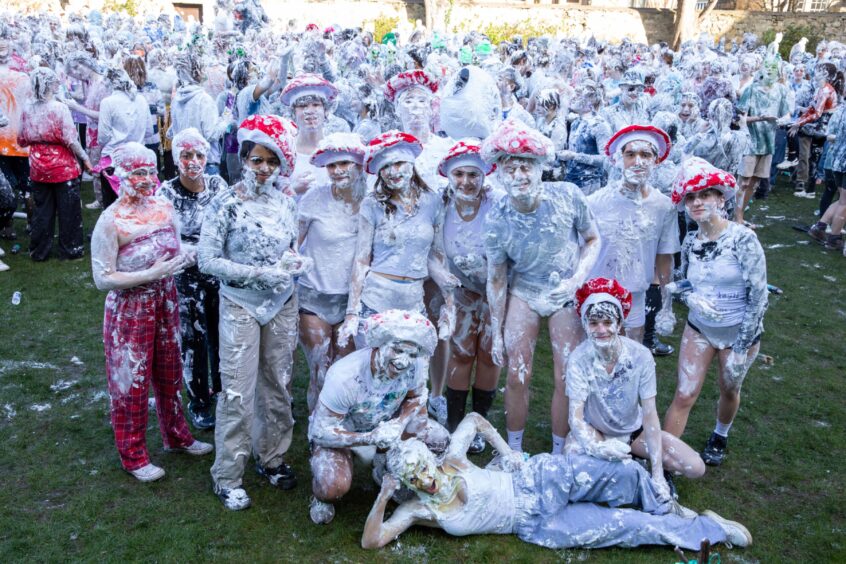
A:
x,y
65,497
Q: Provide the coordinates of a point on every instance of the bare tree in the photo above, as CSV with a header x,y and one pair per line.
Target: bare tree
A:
x,y
688,20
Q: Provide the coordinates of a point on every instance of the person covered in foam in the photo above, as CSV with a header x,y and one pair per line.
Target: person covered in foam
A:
x,y
534,268
370,399
135,251
563,501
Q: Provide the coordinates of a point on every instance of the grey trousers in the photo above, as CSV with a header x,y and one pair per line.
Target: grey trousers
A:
x,y
254,406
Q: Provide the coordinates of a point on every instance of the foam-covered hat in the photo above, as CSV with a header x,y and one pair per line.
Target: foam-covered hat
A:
x,y
274,132
466,152
132,156
513,138
598,290
695,175
396,325
308,85
655,136
339,147
391,147
408,79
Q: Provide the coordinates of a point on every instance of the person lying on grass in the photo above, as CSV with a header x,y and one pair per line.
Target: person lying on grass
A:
x,y
549,500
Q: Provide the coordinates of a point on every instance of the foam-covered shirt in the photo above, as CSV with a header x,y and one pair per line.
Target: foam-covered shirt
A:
x,y
612,401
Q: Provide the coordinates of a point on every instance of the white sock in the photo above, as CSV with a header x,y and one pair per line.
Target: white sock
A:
x,y
557,444
515,440
722,429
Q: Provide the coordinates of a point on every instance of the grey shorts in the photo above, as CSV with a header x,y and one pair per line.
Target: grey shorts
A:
x,y
330,308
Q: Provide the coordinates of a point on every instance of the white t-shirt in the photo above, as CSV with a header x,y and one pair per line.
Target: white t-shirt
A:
x,y
464,244
612,401
632,231
303,166
330,242
350,390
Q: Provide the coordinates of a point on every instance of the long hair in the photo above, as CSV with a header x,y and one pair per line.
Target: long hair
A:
x,y
136,69
383,194
835,77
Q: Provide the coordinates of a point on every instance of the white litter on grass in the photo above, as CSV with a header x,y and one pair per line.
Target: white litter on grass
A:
x,y
774,216
822,424
151,403
9,411
101,395
75,360
13,365
39,407
69,399
803,242
817,265
777,378
829,278
778,246
62,385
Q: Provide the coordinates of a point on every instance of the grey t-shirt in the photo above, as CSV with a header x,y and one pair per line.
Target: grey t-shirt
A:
x,y
612,401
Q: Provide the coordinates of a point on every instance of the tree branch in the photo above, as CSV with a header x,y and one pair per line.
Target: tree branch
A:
x,y
711,5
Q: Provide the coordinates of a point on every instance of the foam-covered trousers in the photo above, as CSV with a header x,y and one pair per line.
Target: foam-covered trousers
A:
x,y
254,406
141,342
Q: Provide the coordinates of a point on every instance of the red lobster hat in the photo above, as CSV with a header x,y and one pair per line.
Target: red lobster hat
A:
x,y
649,133
598,290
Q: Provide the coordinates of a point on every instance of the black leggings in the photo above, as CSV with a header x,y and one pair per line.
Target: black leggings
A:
x,y
56,200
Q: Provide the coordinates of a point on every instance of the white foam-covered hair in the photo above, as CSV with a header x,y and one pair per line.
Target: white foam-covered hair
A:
x,y
189,138
130,157
405,456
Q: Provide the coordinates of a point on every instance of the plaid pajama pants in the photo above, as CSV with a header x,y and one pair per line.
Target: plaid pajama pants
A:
x,y
141,341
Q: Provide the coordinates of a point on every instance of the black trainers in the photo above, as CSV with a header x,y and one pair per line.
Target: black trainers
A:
x,y
282,476
202,418
657,348
715,450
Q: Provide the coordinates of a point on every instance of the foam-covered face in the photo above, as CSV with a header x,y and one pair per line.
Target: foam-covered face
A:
x,y
720,117
631,93
414,108
140,183
425,476
79,71
821,78
395,358
584,99
192,162
397,176
343,174
638,163
798,74
705,205
521,178
310,115
506,86
687,109
466,183
603,330
261,167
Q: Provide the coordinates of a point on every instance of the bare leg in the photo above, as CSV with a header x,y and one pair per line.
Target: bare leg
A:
x,y
565,332
520,336
730,391
315,339
677,456
462,350
438,364
743,197
331,471
694,359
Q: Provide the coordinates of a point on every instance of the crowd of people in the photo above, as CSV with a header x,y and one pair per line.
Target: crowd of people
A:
x,y
409,213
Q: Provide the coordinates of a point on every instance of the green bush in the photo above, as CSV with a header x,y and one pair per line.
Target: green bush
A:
x,y
505,31
382,25
792,35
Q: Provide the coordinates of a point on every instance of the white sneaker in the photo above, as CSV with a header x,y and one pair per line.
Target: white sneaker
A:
x,y
95,205
3,266
809,195
321,513
799,193
234,499
197,448
148,473
736,534
86,177
786,164
677,508
438,409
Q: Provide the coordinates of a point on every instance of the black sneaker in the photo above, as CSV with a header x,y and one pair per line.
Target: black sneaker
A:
x,y
202,418
657,348
477,446
671,483
282,476
715,450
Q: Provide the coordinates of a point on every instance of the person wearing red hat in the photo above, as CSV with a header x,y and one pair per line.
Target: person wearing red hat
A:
x,y
724,285
546,267
247,242
328,219
135,252
611,386
310,97
639,227
468,201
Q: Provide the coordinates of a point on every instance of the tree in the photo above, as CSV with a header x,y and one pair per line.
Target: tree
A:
x,y
688,20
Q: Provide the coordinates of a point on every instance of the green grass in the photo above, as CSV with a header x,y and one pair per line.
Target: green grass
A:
x,y
65,497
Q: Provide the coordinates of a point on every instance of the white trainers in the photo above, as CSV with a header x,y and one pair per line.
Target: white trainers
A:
x,y
197,448
234,499
786,164
438,409
148,473
3,266
321,513
95,205
736,534
677,508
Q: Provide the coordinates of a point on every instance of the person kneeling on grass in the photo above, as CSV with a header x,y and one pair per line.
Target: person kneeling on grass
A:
x,y
135,252
548,500
371,398
611,386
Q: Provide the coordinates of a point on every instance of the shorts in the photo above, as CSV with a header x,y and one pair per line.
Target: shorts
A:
x,y
721,338
330,308
381,294
637,315
537,298
635,435
756,165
